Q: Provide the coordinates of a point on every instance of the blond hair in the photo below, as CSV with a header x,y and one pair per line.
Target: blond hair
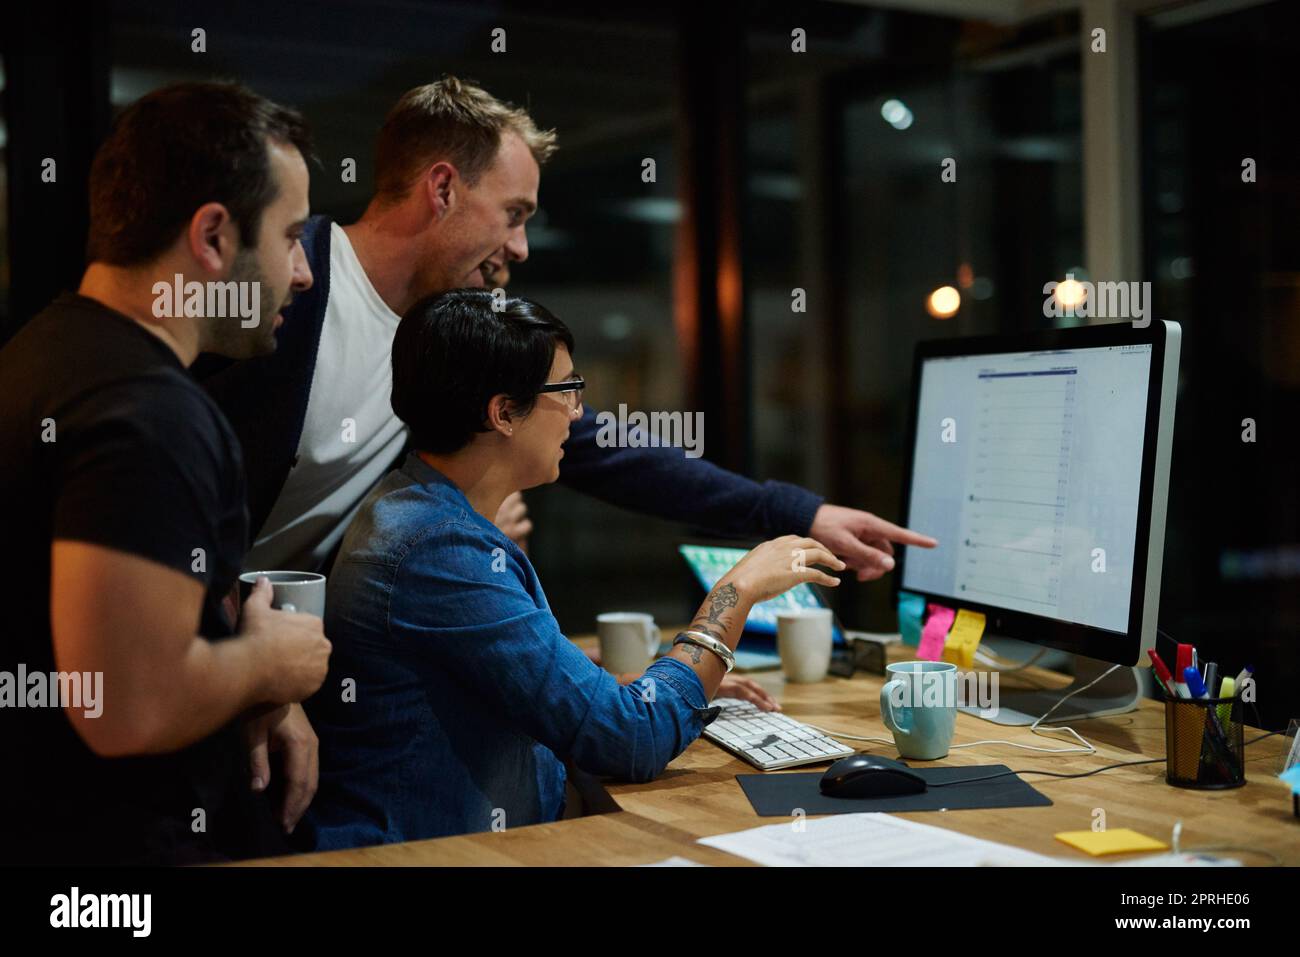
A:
x,y
453,120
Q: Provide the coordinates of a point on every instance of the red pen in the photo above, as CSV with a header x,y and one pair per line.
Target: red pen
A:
x,y
1183,662
1162,672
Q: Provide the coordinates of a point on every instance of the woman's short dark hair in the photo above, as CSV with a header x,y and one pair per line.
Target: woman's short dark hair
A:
x,y
175,149
454,352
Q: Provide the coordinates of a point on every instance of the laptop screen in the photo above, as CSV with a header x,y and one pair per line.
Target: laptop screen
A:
x,y
710,563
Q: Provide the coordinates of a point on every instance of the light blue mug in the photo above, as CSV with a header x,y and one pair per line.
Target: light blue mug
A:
x,y
919,705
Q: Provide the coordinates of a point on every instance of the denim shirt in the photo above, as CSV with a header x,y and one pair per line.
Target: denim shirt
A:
x,y
453,699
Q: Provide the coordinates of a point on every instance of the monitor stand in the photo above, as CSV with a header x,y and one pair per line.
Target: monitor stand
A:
x,y
1117,693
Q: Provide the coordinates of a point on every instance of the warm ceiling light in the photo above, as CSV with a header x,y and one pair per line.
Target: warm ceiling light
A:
x,y
1070,293
943,303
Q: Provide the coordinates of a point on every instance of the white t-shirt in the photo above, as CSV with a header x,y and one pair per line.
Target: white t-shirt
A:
x,y
350,436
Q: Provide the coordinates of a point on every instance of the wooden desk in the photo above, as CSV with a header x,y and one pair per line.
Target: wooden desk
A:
x,y
698,796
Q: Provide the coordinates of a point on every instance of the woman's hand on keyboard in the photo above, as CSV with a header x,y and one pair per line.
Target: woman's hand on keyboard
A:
x,y
747,689
732,686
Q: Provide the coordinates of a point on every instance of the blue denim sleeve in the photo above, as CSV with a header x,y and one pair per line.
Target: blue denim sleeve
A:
x,y
664,483
461,598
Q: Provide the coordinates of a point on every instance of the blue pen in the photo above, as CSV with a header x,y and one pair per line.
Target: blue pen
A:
x,y
1195,684
1211,678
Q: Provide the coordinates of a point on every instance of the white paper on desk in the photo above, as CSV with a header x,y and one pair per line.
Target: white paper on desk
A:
x,y
1179,860
871,839
674,861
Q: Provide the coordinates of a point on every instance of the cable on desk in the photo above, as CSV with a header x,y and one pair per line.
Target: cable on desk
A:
x,y
1035,728
849,737
1087,748
1030,747
1027,747
954,747
1052,774
993,660
1081,774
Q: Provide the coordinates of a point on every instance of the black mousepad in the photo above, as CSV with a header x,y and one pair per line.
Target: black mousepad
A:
x,y
777,794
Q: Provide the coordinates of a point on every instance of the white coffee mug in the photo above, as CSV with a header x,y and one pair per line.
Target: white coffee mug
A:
x,y
291,591
803,640
628,641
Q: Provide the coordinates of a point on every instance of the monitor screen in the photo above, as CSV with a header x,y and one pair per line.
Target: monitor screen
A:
x,y
1027,468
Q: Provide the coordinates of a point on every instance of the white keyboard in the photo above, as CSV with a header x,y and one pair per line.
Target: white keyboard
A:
x,y
768,739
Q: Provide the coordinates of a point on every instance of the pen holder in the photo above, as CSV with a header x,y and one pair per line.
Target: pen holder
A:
x,y
1203,743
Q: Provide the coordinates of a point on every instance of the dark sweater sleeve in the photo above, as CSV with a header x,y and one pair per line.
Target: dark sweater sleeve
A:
x,y
664,483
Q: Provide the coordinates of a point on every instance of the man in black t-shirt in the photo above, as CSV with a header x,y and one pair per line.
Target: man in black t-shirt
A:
x,y
135,721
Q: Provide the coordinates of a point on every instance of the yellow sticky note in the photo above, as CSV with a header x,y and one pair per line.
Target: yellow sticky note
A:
x,y
1121,840
967,630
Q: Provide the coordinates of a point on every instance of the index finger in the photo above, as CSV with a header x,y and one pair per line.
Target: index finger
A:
x,y
905,536
765,699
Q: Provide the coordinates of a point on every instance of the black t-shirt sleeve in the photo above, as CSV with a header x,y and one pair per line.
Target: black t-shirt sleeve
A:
x,y
144,468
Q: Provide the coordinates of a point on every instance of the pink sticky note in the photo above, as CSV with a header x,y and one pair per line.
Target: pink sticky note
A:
x,y
935,631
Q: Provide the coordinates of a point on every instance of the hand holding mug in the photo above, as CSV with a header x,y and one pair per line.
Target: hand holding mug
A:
x,y
295,650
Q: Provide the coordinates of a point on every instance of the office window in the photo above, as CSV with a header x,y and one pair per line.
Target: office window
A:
x,y
1223,255
5,318
787,282
848,151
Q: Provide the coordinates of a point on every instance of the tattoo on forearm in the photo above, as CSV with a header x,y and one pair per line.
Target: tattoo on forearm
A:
x,y
697,625
695,651
720,599
710,620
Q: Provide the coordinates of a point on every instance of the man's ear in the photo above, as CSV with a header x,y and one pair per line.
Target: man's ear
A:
x,y
211,238
500,415
440,186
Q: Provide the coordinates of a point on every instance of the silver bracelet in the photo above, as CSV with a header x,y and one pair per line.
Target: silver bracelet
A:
x,y
708,643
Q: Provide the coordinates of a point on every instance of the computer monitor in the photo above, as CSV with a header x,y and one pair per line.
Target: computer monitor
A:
x,y
1041,464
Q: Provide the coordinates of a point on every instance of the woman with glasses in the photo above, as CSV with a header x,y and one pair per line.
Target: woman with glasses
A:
x,y
453,699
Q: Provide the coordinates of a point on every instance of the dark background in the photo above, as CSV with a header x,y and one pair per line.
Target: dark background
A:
x,y
778,170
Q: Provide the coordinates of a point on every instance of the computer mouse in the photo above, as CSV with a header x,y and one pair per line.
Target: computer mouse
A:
x,y
870,776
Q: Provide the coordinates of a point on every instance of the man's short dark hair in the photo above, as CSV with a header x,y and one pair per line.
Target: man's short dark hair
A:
x,y
174,150
453,352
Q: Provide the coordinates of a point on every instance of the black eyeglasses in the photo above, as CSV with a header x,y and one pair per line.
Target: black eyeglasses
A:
x,y
571,389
